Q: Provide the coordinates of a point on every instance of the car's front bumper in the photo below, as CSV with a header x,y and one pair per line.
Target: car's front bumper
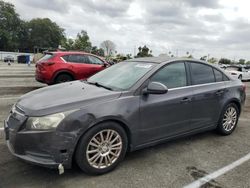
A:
x,y
46,148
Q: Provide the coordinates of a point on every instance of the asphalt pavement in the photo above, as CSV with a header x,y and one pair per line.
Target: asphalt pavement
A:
x,y
173,164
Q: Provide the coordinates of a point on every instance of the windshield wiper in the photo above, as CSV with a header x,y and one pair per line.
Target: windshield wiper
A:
x,y
99,85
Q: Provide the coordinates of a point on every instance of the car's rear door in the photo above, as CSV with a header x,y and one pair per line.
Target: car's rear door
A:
x,y
208,92
167,114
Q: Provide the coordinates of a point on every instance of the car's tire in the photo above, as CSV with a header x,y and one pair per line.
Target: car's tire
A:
x,y
63,78
229,119
102,148
240,77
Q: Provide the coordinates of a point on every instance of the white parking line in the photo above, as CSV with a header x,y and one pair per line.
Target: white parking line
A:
x,y
218,173
6,98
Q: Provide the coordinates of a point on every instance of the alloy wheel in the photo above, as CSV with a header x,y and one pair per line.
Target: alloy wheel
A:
x,y
104,149
229,119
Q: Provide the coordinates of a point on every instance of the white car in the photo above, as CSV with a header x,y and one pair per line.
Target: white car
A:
x,y
238,72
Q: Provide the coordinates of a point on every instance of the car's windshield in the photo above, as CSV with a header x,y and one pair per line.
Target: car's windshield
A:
x,y
122,76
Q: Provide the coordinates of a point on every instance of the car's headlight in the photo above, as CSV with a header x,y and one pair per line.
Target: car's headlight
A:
x,y
45,122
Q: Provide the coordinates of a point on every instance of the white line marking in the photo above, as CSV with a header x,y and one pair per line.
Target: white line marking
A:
x,y
7,98
218,173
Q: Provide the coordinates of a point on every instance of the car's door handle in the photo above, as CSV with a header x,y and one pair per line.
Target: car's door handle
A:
x,y
219,92
185,100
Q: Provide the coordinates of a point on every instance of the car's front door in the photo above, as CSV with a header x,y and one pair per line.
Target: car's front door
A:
x,y
166,115
95,64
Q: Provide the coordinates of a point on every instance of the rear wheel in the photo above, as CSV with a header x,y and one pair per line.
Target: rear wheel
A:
x,y
102,148
63,78
229,119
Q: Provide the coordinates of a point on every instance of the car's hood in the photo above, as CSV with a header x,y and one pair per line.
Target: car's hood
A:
x,y
63,97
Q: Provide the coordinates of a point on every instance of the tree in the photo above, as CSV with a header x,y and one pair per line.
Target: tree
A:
x,y
43,33
144,52
108,47
68,43
129,56
10,25
212,60
224,61
248,63
204,58
82,42
242,61
97,51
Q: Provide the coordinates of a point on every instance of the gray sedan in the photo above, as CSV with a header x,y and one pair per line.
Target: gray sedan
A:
x,y
129,106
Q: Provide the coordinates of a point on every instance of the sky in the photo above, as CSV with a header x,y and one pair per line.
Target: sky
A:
x,y
220,28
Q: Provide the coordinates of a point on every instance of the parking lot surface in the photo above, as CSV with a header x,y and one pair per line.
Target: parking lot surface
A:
x,y
174,164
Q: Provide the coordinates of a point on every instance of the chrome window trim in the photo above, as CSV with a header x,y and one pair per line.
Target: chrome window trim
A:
x,y
190,86
63,60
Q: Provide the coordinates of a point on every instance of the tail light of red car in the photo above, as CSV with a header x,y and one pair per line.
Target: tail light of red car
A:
x,y
43,65
48,63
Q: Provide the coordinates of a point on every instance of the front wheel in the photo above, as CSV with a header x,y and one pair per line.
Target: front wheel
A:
x,y
102,148
228,120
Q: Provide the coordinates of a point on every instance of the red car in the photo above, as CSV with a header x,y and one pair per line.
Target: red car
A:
x,y
57,67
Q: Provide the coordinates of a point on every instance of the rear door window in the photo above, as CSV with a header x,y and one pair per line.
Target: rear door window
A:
x,y
218,75
201,73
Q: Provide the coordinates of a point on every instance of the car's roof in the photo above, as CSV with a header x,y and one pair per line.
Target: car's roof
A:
x,y
162,59
72,52
67,52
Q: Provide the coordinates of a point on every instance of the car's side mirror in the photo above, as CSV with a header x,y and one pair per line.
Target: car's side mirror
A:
x,y
105,64
155,88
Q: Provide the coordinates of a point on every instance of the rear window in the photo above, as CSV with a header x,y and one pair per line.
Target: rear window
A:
x,y
46,57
